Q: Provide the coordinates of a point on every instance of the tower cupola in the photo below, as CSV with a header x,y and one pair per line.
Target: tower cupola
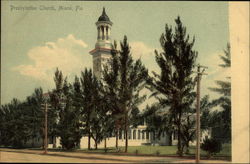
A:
x,y
102,51
103,30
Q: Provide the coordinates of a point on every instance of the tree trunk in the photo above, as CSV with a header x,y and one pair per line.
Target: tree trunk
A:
x,y
96,145
43,143
170,139
153,138
105,143
33,141
89,140
54,141
187,148
116,138
179,138
126,133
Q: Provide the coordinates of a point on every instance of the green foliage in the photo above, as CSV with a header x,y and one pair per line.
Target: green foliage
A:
x,y
157,121
221,119
123,81
211,146
174,86
21,121
227,58
64,99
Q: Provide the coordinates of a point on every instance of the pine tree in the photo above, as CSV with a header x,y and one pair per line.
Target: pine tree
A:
x,y
111,90
35,114
175,83
129,79
15,128
222,119
69,122
90,89
56,101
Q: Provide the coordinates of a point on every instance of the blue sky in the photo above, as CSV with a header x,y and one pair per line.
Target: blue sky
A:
x,y
35,42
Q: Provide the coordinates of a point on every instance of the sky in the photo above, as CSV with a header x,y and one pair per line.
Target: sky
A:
x,y
36,40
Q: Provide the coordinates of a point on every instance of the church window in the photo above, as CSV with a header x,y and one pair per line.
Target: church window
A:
x,y
134,134
147,135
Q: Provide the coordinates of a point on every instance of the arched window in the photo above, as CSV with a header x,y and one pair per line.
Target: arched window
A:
x,y
143,135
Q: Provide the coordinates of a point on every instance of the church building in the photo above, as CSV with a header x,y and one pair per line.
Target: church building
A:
x,y
136,136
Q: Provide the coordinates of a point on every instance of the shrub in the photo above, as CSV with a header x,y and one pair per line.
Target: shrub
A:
x,y
211,146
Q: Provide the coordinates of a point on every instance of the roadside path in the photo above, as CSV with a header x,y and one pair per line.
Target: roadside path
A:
x,y
24,155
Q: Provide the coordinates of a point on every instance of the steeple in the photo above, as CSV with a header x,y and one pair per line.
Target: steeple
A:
x,y
104,17
102,51
103,29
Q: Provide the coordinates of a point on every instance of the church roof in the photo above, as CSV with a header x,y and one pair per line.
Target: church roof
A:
x,y
104,17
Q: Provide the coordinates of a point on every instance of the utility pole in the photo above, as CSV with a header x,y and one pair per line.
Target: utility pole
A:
x,y
199,75
46,129
45,105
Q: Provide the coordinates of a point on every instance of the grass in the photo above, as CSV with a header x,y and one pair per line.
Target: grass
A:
x,y
224,154
162,150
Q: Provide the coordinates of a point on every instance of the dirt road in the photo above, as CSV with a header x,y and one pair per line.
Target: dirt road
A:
x,y
24,155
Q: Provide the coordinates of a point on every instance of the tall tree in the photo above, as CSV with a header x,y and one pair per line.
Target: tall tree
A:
x,y
56,100
64,117
15,128
130,77
35,113
111,82
90,91
69,122
77,108
175,83
222,119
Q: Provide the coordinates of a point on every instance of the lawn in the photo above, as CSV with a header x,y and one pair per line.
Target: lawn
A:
x,y
225,153
163,150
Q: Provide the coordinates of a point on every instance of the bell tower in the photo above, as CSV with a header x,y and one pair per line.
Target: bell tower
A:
x,y
103,46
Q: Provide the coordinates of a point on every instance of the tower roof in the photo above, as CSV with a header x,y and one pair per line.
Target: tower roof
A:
x,y
104,17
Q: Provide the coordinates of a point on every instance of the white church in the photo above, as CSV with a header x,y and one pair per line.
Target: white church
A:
x,y
101,53
136,136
